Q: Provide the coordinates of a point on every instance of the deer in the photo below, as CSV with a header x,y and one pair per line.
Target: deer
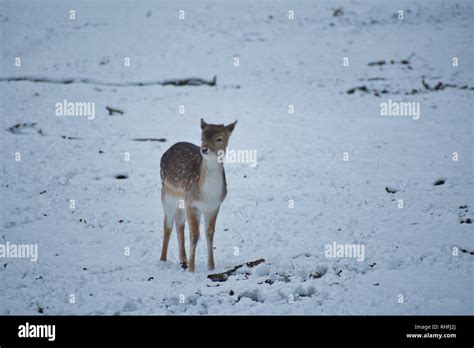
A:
x,y
193,185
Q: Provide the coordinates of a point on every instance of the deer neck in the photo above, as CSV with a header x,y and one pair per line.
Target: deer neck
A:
x,y
211,166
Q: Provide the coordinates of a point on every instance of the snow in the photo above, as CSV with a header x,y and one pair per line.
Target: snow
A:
x,y
105,251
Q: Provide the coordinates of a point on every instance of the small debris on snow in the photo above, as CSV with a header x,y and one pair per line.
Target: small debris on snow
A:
x,y
22,128
360,88
338,12
114,111
315,275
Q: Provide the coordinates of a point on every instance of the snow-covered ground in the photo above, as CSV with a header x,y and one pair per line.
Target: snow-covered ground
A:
x,y
410,252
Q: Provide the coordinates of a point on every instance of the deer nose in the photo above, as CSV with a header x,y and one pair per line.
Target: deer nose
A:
x,y
204,150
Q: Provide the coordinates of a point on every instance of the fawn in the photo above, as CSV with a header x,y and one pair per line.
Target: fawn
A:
x,y
193,183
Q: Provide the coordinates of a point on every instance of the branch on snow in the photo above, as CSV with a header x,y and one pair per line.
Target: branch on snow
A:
x,y
192,81
222,277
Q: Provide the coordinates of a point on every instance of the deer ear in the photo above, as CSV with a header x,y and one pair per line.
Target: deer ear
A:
x,y
203,124
230,127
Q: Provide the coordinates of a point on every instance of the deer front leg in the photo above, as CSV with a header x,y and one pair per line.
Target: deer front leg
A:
x,y
210,224
193,221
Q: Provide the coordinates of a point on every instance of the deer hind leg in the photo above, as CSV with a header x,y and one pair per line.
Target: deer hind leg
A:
x,y
180,219
169,210
167,228
193,221
210,225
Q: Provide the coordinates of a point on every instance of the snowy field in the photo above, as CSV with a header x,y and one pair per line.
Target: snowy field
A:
x,y
331,168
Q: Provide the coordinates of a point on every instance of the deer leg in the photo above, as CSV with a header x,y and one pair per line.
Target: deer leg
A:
x,y
167,228
210,224
179,221
193,221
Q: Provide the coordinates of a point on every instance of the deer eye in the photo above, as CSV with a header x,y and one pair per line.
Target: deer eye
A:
x,y
219,139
